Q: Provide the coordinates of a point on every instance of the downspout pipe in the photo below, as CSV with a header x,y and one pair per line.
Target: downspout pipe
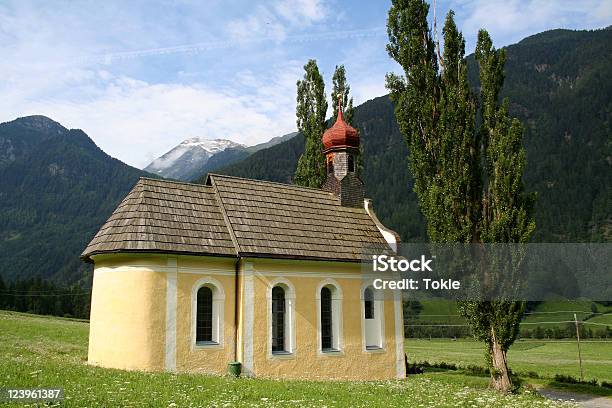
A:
x,y
236,305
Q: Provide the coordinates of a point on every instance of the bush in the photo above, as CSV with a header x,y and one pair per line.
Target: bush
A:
x,y
568,379
477,370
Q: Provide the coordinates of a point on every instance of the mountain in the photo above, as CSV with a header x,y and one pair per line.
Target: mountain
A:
x,y
186,160
272,142
56,189
196,156
560,86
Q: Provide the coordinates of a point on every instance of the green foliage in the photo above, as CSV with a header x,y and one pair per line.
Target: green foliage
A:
x,y
55,192
36,351
384,175
310,111
341,89
44,297
557,83
528,358
468,181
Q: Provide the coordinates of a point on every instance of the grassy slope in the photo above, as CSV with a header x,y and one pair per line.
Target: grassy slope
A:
x,y
445,312
546,358
51,352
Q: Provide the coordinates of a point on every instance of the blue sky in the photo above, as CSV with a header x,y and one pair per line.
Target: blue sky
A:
x,y
139,77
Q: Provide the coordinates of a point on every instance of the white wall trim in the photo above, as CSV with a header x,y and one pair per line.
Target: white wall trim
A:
x,y
379,317
204,270
171,302
289,318
217,312
337,317
249,317
399,334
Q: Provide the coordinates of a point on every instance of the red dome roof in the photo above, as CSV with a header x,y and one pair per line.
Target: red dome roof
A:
x,y
340,134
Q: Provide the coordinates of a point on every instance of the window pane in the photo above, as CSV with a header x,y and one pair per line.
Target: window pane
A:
x,y
278,319
368,297
204,315
326,319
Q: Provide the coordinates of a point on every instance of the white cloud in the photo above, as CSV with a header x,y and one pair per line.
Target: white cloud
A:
x,y
136,121
509,21
302,12
275,19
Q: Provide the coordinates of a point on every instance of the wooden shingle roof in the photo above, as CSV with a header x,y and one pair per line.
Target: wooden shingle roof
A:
x,y
165,216
287,221
233,216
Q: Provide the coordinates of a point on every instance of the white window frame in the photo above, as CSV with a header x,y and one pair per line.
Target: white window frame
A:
x,y
337,319
218,308
379,317
289,318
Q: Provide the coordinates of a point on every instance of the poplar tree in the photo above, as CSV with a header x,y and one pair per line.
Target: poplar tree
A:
x,y
468,180
310,111
341,89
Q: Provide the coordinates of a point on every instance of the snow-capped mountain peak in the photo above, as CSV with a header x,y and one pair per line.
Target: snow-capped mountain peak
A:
x,y
185,160
211,146
195,156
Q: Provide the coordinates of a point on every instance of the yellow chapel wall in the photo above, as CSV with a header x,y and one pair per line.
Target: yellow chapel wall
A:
x,y
134,294
307,361
142,318
127,320
190,357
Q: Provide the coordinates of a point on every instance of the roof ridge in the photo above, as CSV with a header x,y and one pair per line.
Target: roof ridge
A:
x,y
163,180
228,224
293,186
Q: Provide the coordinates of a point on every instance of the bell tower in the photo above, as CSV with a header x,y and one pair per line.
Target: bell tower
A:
x,y
341,149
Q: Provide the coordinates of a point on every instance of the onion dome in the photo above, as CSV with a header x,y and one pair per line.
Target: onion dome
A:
x,y
341,134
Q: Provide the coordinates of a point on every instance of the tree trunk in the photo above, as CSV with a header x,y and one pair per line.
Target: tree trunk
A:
x,y
500,377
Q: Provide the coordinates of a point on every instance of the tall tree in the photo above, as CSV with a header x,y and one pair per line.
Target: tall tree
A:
x,y
341,90
310,111
2,293
468,181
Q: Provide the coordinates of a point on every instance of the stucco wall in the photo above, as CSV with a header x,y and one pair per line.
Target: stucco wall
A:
x,y
191,273
307,361
127,323
142,318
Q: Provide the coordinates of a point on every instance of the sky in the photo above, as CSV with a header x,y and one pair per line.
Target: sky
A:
x,y
140,76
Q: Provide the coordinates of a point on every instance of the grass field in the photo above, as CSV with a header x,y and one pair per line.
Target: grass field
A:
x,y
38,351
546,358
546,313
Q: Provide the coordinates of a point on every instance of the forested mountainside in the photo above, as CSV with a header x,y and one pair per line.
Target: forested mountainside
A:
x,y
560,86
56,189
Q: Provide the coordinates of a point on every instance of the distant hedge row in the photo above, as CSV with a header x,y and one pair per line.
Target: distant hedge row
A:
x,y
44,297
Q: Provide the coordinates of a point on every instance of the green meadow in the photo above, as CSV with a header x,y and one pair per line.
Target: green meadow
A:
x,y
37,351
543,357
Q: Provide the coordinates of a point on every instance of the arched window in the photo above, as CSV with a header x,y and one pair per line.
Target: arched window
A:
x,y
351,163
368,303
207,308
326,319
281,320
278,319
204,315
372,319
329,315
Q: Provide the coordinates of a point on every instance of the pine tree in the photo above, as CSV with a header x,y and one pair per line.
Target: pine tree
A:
x,y
468,181
310,111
